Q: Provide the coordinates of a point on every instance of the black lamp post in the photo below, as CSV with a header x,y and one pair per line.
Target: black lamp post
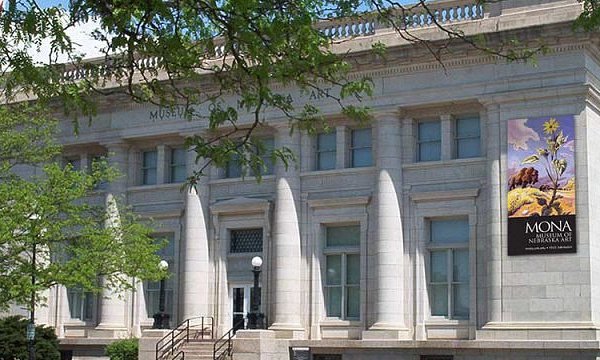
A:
x,y
255,317
161,319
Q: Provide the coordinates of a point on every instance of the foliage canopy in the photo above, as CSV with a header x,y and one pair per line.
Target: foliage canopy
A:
x,y
45,210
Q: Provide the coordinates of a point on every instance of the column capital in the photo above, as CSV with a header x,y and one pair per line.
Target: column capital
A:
x,y
116,145
388,113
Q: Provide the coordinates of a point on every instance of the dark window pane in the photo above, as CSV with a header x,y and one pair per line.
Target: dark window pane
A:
x,y
353,269
468,127
460,300
265,152
334,270
334,301
361,147
439,300
326,160
326,142
178,165
150,159
468,148
149,167
460,265
430,131
430,151
343,236
439,266
449,231
361,138
353,302
233,168
362,157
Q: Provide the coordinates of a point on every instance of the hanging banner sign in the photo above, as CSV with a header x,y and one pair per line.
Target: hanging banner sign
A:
x,y
541,186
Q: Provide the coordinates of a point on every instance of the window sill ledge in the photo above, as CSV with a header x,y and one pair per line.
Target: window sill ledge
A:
x,y
339,323
140,188
446,323
442,163
241,180
350,170
76,323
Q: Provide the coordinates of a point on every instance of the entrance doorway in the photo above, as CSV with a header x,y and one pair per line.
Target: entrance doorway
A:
x,y
241,297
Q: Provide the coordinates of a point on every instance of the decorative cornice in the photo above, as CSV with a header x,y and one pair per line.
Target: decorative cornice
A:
x,y
240,205
339,202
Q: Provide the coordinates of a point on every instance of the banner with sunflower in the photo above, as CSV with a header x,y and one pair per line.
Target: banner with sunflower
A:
x,y
541,185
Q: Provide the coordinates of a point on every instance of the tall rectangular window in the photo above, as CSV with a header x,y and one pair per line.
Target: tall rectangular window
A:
x,y
467,137
326,151
94,161
74,162
449,268
233,167
152,288
361,145
429,143
81,303
149,164
265,152
246,241
342,272
177,165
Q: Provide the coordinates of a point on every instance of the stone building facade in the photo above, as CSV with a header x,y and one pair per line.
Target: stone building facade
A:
x,y
386,241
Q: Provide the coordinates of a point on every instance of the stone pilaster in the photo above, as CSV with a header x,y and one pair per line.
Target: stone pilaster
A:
x,y
196,263
162,176
113,306
495,214
447,137
388,304
286,248
341,156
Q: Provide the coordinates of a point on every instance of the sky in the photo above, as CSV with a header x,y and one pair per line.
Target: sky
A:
x,y
49,3
80,35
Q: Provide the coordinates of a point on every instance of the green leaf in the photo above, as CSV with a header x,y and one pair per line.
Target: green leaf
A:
x,y
531,159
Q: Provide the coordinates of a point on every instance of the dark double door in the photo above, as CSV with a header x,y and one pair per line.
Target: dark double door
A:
x,y
241,304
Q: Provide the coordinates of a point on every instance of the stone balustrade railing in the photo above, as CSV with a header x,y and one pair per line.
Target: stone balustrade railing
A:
x,y
443,12
411,17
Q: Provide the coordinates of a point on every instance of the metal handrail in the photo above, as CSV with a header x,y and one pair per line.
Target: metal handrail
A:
x,y
181,334
219,350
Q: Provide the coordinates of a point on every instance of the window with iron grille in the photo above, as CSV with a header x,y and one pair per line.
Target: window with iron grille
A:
x,y
246,241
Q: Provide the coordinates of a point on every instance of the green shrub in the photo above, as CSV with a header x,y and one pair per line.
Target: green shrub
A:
x,y
126,349
13,340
